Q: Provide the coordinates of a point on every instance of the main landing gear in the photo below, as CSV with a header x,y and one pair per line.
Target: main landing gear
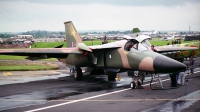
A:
x,y
78,74
111,75
139,77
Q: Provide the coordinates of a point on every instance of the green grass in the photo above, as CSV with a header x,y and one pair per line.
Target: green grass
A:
x,y
24,66
96,42
9,57
47,44
161,43
55,44
155,41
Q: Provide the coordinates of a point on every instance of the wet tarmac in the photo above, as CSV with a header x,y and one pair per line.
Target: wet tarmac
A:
x,y
177,105
94,83
36,97
30,79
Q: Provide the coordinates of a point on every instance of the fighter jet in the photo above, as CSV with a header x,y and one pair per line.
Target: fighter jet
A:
x,y
166,38
154,32
125,55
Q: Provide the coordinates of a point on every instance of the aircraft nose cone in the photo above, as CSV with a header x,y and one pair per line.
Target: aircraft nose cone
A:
x,y
164,64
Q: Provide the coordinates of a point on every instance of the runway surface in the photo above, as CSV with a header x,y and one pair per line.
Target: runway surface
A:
x,y
56,90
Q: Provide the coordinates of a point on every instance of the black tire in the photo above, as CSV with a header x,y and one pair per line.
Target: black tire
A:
x,y
139,84
78,74
112,76
133,85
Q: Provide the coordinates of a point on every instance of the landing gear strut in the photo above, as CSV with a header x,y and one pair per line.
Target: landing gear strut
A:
x,y
78,73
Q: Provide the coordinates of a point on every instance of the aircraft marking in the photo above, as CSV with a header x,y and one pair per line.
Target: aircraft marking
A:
x,y
7,74
110,56
125,52
134,53
73,33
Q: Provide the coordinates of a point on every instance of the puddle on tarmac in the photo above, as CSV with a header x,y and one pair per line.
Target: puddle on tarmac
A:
x,y
30,79
178,104
35,98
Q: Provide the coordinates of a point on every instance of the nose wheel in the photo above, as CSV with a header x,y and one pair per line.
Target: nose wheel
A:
x,y
136,84
133,85
137,78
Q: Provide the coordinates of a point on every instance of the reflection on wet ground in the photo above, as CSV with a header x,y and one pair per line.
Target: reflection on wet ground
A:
x,y
90,84
36,97
30,79
93,83
178,104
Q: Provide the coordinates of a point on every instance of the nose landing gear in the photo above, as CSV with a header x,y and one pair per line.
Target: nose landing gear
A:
x,y
137,78
136,84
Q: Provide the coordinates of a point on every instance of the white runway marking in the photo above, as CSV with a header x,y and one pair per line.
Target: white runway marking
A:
x,y
74,101
78,100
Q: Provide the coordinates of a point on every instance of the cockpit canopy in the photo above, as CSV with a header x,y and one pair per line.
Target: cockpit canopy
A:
x,y
131,44
138,44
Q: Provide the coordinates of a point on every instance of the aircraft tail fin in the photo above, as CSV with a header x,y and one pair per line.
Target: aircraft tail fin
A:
x,y
155,31
136,30
72,36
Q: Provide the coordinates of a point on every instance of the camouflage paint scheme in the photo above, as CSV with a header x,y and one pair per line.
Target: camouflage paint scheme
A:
x,y
187,53
111,56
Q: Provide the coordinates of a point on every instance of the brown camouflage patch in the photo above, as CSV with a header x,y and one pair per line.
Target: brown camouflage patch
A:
x,y
123,54
146,64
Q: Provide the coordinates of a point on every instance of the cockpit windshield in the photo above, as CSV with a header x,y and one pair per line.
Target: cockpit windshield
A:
x,y
134,45
146,42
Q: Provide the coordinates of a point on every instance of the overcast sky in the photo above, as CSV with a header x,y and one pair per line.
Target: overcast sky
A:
x,y
50,15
